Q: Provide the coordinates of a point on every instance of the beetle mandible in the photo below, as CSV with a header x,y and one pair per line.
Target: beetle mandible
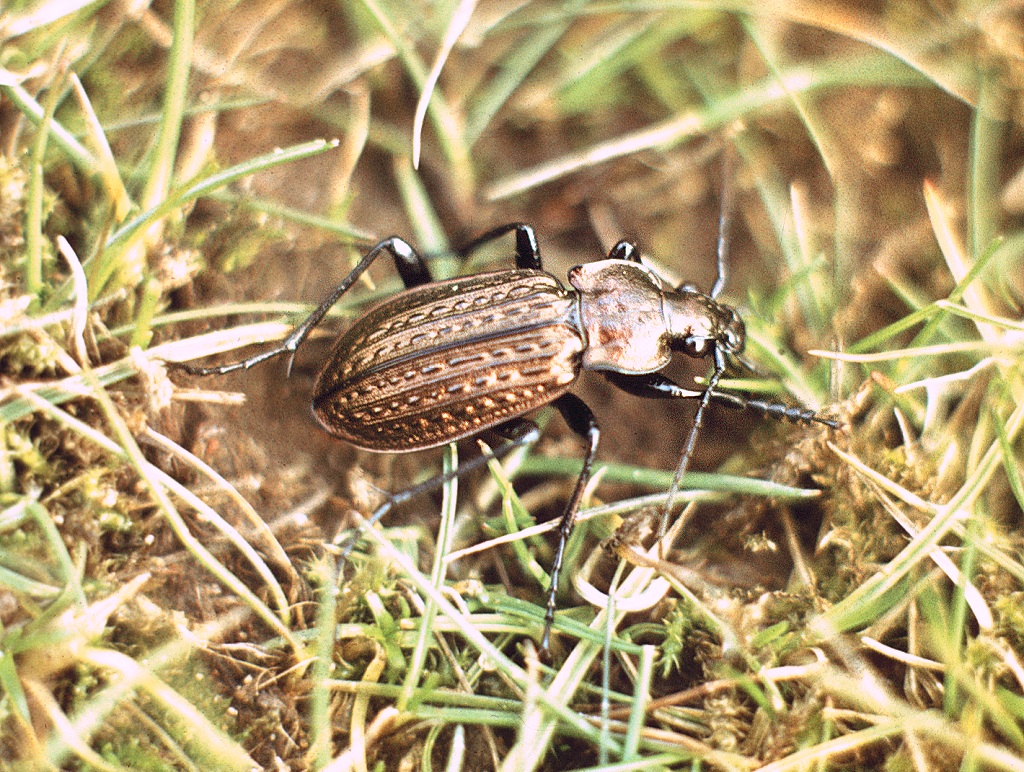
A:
x,y
445,360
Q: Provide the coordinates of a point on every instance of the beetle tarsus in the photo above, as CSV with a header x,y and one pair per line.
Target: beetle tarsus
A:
x,y
778,410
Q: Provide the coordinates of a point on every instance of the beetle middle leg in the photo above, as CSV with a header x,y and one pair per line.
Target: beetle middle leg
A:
x,y
410,266
527,253
581,420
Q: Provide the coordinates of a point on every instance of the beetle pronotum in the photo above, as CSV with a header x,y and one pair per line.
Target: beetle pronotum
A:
x,y
445,360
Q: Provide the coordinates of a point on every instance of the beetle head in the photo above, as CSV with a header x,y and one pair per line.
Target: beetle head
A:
x,y
701,327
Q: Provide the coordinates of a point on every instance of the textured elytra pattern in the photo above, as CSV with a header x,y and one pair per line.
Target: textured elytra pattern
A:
x,y
447,360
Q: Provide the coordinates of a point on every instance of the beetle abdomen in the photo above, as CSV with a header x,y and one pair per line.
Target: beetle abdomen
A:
x,y
443,361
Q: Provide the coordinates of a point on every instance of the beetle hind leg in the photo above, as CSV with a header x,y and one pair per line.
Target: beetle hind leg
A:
x,y
409,264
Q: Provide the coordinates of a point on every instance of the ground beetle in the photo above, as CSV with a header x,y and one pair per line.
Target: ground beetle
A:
x,y
446,360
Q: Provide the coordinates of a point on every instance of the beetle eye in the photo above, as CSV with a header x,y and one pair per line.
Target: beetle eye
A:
x,y
735,333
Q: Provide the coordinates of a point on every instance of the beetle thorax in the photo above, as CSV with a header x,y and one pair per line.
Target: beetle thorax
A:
x,y
622,315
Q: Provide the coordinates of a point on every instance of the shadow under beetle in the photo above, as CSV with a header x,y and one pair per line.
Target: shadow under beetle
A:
x,y
446,360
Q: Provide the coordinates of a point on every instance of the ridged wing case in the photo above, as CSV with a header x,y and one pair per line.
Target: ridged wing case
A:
x,y
449,359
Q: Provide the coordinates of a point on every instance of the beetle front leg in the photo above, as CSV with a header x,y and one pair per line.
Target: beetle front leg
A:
x,y
409,264
651,386
657,386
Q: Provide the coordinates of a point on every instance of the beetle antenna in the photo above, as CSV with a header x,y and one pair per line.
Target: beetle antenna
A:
x,y
724,218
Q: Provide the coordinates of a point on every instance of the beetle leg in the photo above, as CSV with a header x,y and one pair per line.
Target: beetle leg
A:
x,y
691,441
409,265
514,428
581,420
527,250
625,250
529,434
650,385
408,262
657,386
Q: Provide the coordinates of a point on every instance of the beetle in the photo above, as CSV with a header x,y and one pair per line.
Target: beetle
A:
x,y
446,360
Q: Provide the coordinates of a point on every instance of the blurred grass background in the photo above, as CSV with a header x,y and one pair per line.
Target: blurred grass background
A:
x,y
179,180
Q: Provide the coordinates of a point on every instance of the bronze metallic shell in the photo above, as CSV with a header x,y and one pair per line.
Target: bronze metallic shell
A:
x,y
446,360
